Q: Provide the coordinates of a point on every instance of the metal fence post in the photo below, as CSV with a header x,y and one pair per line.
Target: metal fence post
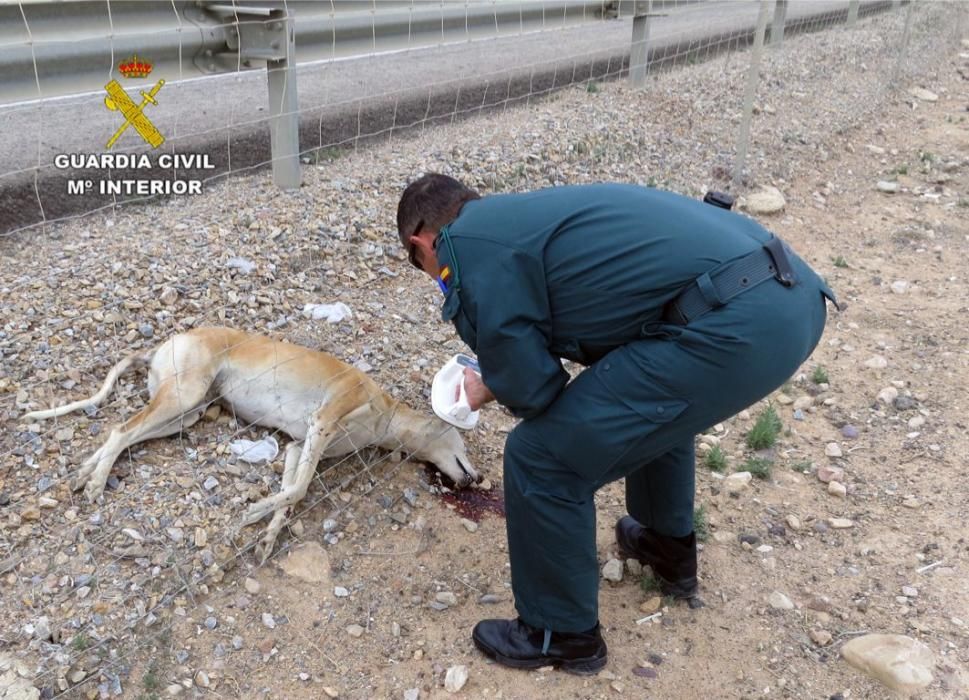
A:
x,y
897,72
639,48
852,13
777,25
283,108
753,75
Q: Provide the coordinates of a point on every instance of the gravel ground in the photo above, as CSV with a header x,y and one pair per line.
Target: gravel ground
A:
x,y
155,591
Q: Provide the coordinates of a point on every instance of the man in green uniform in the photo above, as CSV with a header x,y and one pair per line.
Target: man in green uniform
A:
x,y
684,313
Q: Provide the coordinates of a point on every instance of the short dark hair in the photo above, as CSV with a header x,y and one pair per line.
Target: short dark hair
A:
x,y
432,201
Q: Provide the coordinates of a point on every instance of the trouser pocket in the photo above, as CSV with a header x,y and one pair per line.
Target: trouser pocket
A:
x,y
609,408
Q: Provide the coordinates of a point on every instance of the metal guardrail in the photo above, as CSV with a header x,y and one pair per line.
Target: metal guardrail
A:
x,y
34,194
49,49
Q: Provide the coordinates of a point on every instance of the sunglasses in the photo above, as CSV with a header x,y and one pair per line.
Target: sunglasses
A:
x,y
412,249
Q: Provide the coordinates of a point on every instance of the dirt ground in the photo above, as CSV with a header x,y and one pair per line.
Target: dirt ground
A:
x,y
905,494
384,606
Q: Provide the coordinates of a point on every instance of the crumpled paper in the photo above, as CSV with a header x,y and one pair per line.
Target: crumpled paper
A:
x,y
255,452
333,313
243,265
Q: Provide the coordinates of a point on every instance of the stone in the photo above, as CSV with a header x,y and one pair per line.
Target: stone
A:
x,y
820,637
308,562
837,489
634,567
916,422
769,200
827,473
355,630
887,186
737,482
455,678
793,522
469,525
849,432
42,629
447,598
202,679
888,395
833,449
341,592
651,605
269,621
212,413
876,362
412,694
168,296
803,402
923,94
840,523
252,585
899,662
15,680
612,570
779,601
899,287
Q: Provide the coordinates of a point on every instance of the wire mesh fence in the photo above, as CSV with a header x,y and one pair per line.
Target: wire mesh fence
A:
x,y
91,587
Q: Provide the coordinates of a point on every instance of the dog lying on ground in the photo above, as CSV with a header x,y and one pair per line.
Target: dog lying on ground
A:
x,y
333,408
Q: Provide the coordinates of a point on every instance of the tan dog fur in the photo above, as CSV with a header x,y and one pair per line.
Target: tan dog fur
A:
x,y
335,409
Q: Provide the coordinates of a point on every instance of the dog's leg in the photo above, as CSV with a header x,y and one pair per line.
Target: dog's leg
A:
x,y
268,541
172,409
324,426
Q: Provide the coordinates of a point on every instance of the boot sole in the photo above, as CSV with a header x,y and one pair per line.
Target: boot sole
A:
x,y
579,667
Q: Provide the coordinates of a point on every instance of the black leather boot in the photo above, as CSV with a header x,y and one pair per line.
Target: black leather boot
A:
x,y
672,559
517,644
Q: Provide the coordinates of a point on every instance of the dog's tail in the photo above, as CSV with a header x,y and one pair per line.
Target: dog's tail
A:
x,y
138,359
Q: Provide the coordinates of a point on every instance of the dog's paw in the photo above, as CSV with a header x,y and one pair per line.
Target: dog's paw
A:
x,y
256,512
93,492
264,548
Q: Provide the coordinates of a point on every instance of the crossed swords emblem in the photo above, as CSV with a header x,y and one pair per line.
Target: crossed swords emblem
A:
x,y
118,100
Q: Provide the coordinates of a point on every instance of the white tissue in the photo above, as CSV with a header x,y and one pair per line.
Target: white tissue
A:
x,y
333,313
264,450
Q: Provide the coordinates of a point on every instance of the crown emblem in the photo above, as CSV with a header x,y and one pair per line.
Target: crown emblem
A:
x,y
135,67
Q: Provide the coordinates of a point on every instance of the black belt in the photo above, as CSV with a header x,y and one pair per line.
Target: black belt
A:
x,y
712,290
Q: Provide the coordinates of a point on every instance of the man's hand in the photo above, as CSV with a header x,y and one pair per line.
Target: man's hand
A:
x,y
478,393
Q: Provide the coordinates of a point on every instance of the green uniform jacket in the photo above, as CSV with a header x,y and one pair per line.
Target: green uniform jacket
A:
x,y
574,272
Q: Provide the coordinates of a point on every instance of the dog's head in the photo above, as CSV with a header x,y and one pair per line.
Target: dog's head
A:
x,y
441,444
